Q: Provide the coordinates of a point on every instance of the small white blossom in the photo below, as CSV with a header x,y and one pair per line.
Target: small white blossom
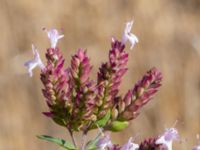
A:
x,y
36,61
130,145
128,36
53,36
196,148
168,137
104,142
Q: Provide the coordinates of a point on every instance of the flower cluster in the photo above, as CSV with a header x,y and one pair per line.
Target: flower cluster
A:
x,y
78,103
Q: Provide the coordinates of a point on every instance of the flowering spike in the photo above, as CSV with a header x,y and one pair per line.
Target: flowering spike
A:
x,y
83,91
53,36
139,95
36,61
109,77
167,138
128,36
118,59
56,87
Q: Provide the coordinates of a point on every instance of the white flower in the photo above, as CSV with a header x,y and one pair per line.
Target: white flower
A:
x,y
104,142
128,36
168,137
130,145
36,61
196,148
53,36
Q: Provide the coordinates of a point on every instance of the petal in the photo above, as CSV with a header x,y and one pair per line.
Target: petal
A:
x,y
196,148
60,36
130,145
161,140
132,39
36,61
104,142
128,26
53,36
128,36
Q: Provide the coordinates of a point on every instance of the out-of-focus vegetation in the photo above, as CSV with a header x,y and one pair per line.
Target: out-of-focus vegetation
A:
x,y
169,34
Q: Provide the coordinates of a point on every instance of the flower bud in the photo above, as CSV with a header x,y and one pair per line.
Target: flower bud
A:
x,y
114,113
121,106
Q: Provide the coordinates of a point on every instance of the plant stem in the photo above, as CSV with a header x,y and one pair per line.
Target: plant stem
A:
x,y
83,140
73,138
97,137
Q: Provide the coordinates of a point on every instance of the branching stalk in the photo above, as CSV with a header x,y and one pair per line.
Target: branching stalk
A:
x,y
84,137
73,138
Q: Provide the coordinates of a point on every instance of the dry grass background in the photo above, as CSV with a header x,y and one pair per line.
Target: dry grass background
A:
x,y
169,33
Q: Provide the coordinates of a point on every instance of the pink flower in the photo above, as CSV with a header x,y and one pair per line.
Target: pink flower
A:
x,y
36,61
54,36
128,36
168,137
130,145
104,142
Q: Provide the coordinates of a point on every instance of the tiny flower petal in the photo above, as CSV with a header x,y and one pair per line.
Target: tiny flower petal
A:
x,y
130,145
36,61
128,26
128,36
168,137
104,142
132,39
196,148
54,36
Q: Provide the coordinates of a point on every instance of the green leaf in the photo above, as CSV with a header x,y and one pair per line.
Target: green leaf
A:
x,y
104,120
58,141
118,125
91,145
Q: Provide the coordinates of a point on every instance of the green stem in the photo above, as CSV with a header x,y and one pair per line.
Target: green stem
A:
x,y
83,141
73,138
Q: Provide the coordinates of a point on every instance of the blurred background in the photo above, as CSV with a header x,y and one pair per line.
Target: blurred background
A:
x,y
169,34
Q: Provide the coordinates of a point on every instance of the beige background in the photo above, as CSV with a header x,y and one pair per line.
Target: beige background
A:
x,y
169,34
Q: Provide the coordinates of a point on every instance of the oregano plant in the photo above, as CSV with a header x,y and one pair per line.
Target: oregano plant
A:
x,y
80,104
